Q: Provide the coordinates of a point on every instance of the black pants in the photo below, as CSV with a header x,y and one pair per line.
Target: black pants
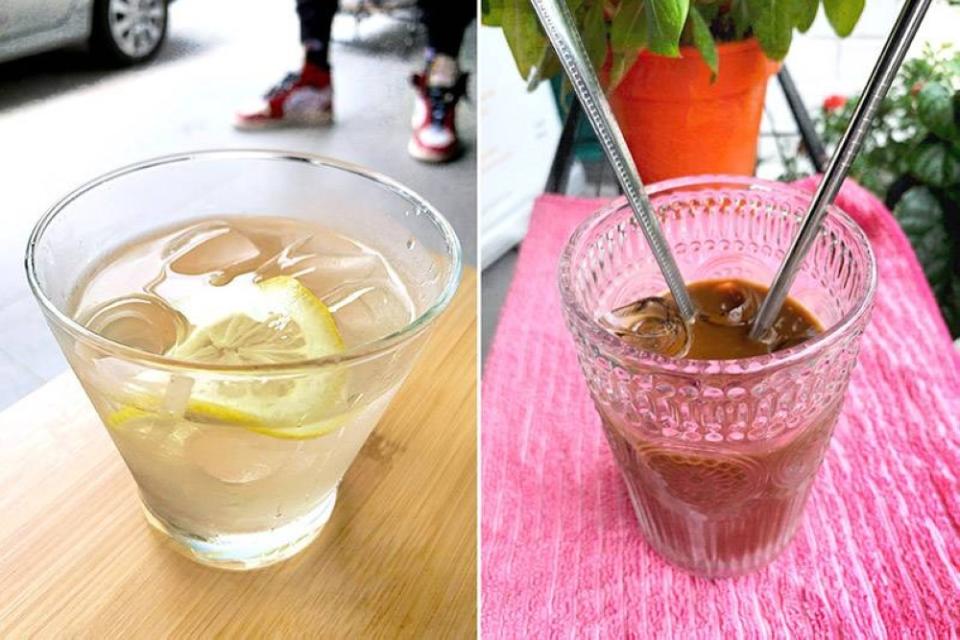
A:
x,y
445,20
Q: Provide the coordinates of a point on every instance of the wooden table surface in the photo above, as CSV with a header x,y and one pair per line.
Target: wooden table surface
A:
x,y
397,559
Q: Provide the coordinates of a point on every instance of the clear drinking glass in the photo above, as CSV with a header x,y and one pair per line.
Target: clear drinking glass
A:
x,y
718,455
229,496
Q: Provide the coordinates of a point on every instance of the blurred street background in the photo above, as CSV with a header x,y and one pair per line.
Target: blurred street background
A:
x,y
65,120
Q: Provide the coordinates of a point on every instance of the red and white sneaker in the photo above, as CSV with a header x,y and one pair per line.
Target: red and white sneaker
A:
x,y
301,99
434,126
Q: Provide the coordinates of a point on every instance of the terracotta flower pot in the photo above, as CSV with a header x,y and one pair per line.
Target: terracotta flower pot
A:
x,y
678,123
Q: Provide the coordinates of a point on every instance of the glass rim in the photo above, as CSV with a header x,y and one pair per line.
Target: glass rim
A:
x,y
784,357
357,353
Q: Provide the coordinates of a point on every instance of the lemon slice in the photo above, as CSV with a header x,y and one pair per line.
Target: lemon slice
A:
x,y
283,322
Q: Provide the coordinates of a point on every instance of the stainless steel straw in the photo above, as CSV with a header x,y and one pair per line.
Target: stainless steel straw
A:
x,y
876,88
562,32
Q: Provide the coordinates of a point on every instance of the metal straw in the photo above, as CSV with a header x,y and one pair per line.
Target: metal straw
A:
x,y
876,88
561,30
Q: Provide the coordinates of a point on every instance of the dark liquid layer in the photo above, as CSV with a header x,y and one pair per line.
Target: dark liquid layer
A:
x,y
719,512
715,508
725,313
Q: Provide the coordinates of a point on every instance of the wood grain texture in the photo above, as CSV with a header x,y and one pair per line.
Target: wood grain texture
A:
x,y
396,560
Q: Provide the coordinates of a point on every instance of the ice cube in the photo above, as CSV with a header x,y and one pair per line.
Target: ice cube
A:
x,y
140,321
367,300
177,395
236,456
368,310
214,248
733,305
651,324
328,241
322,272
787,333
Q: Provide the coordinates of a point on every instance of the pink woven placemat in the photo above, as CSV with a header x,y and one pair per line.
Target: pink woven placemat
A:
x,y
877,554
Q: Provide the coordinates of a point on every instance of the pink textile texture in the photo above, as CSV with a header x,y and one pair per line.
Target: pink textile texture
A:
x,y
877,553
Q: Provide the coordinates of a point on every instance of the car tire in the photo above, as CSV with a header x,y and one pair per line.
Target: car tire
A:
x,y
120,42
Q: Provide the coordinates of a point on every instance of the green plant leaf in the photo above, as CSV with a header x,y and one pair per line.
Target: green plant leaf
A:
x,y
703,40
491,12
843,14
593,32
628,37
773,26
545,68
620,64
740,12
804,13
936,110
522,30
629,27
921,218
708,10
665,20
935,164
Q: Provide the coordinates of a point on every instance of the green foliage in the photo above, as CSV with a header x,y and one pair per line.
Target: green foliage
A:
x,y
522,31
937,110
703,41
911,159
628,37
740,17
843,15
921,217
773,22
665,19
935,163
594,32
804,13
629,27
491,12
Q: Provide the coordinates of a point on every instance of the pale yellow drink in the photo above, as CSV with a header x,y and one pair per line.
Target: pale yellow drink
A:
x,y
225,456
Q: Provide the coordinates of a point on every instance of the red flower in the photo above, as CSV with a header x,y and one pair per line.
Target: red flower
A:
x,y
916,88
834,103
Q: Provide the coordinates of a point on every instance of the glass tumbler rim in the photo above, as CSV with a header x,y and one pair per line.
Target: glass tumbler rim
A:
x,y
358,353
786,357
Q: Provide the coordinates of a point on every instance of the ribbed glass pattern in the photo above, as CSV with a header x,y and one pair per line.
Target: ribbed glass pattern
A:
x,y
718,456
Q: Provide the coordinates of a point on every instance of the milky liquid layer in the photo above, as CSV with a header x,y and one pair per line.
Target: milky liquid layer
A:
x,y
202,472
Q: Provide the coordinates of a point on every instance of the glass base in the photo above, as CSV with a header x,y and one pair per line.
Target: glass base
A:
x,y
717,549
246,551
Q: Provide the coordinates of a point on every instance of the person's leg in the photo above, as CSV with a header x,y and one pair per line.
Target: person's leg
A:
x,y
442,85
446,21
316,20
304,98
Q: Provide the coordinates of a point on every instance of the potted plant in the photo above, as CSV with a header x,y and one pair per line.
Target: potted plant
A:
x,y
686,78
911,160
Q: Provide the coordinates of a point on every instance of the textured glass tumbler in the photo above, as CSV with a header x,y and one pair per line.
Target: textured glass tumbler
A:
x,y
230,496
718,455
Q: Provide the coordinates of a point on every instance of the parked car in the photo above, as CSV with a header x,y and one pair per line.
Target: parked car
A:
x,y
122,32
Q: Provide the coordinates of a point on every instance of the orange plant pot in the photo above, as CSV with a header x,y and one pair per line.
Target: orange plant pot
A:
x,y
678,123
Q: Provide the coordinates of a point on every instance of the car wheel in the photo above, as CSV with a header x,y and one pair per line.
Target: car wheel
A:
x,y
126,32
